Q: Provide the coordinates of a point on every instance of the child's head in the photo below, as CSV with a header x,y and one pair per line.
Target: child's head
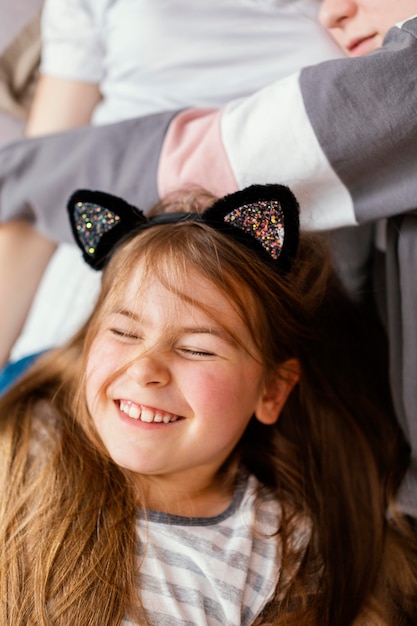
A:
x,y
194,337
205,351
359,26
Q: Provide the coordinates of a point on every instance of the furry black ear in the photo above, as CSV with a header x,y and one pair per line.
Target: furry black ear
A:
x,y
99,221
262,217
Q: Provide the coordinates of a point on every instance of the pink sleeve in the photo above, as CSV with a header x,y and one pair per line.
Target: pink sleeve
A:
x,y
193,154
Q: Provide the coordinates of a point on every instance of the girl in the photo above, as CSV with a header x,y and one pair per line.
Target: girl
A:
x,y
194,455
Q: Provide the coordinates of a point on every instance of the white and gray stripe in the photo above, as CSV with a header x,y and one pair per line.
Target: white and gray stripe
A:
x,y
212,571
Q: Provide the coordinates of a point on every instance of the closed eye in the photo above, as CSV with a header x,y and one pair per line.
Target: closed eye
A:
x,y
124,334
193,352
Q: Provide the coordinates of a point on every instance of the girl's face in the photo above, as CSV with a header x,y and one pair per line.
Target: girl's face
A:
x,y
170,392
359,26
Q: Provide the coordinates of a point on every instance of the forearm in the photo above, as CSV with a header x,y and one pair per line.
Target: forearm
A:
x,y
342,135
363,115
37,176
60,104
71,68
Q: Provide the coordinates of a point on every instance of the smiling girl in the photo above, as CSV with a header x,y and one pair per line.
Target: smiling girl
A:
x,y
163,415
208,448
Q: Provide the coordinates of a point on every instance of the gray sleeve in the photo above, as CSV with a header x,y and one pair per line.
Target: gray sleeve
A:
x,y
363,112
38,175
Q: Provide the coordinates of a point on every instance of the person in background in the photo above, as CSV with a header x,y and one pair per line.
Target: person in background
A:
x,y
193,454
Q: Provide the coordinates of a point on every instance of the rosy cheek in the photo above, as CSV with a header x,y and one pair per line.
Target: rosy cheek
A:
x,y
227,390
102,355
210,387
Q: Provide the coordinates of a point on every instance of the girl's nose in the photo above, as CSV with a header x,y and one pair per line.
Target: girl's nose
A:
x,y
149,370
333,13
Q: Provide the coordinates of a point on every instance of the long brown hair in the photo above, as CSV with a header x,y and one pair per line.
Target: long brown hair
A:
x,y
336,455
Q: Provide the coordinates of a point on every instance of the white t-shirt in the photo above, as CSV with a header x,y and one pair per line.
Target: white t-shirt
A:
x,y
160,55
219,571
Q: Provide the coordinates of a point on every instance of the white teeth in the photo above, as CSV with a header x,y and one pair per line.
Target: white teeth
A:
x,y
147,416
144,413
134,412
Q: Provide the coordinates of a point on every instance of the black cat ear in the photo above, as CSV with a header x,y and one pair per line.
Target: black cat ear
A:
x,y
99,221
264,218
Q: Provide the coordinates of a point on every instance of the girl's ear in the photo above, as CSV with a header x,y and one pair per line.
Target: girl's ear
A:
x,y
276,391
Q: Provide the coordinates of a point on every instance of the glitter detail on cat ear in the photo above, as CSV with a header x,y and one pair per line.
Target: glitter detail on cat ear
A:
x,y
263,220
92,221
99,221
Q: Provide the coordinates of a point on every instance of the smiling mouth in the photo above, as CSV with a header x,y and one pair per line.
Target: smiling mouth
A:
x,y
146,414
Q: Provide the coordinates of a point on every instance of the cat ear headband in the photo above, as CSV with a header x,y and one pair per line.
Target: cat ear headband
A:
x,y
265,218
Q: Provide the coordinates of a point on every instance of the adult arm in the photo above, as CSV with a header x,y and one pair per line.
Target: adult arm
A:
x,y
342,134
65,97
38,175
60,104
71,67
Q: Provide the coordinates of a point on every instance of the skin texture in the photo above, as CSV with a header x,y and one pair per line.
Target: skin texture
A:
x,y
60,104
359,26
175,360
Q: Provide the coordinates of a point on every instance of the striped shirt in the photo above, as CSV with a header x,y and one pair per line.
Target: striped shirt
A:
x,y
211,571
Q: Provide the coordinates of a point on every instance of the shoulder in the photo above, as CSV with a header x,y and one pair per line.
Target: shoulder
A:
x,y
409,25
61,16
